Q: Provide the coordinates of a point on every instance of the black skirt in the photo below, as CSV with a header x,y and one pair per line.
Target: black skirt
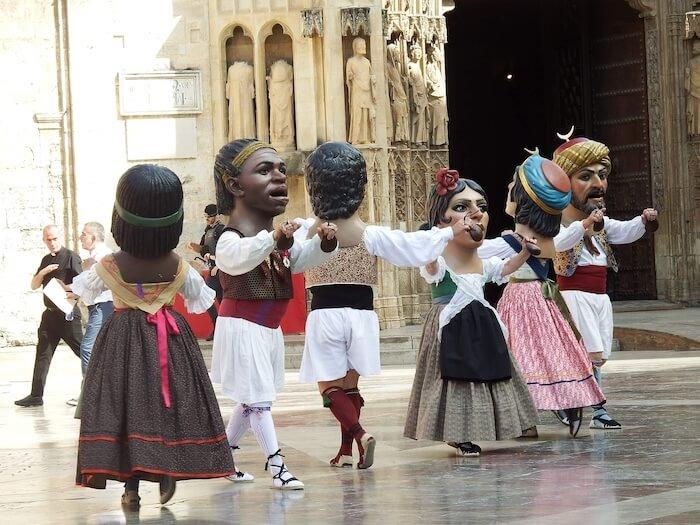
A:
x,y
472,347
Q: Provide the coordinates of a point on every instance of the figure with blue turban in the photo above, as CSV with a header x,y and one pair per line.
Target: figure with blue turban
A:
x,y
542,336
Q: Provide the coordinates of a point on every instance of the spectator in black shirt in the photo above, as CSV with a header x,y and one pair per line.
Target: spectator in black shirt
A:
x,y
63,264
207,249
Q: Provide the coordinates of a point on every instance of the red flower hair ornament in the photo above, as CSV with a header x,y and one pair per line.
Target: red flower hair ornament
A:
x,y
446,180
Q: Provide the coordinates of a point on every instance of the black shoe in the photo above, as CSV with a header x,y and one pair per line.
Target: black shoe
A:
x,y
468,450
30,401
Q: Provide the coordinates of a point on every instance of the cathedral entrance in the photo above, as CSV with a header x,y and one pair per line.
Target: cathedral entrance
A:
x,y
518,71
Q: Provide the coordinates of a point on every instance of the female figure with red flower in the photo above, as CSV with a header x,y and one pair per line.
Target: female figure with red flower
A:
x,y
467,387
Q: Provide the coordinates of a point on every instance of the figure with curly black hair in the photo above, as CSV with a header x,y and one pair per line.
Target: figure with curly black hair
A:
x,y
256,262
149,411
342,330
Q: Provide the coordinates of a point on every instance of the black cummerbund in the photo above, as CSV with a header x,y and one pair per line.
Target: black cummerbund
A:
x,y
357,296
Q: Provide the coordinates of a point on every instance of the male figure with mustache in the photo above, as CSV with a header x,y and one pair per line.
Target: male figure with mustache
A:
x,y
581,271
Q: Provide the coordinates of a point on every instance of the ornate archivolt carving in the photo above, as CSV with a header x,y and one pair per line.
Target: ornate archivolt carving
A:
x,y
436,30
312,22
397,22
354,20
692,24
646,8
692,87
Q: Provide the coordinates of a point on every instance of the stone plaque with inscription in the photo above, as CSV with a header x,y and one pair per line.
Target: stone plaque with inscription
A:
x,y
160,93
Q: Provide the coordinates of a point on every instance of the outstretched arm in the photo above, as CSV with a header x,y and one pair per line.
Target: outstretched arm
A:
x,y
624,232
407,249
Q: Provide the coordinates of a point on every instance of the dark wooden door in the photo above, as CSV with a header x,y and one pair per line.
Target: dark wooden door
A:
x,y
619,118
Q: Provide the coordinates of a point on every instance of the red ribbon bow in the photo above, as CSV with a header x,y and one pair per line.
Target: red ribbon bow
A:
x,y
446,180
165,325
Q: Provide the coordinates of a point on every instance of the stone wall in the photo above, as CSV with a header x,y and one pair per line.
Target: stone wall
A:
x,y
31,175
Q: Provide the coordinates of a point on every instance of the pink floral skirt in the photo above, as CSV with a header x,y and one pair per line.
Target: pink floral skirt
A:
x,y
554,364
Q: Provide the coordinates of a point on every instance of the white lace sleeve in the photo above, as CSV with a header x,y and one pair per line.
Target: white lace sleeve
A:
x,y
496,247
237,255
412,249
88,286
493,269
198,296
308,253
439,274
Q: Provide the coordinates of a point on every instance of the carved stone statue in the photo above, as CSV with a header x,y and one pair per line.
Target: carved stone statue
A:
x,y
281,93
692,86
397,94
419,97
360,82
240,92
436,98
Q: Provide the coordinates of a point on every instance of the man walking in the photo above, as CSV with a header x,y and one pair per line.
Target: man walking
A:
x,y
62,264
207,249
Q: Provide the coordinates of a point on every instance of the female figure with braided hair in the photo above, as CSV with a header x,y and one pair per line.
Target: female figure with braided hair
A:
x,y
542,336
256,262
467,387
342,330
149,411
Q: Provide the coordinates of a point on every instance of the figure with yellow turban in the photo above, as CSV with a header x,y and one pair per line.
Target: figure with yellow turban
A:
x,y
582,269
542,337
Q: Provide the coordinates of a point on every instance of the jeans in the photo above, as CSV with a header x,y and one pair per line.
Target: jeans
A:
x,y
99,313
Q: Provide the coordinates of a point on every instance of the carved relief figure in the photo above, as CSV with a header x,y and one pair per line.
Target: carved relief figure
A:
x,y
692,86
436,97
397,94
281,93
240,92
360,82
419,97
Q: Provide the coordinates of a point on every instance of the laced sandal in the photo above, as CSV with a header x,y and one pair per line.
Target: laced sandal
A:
x,y
167,489
131,499
240,477
279,483
366,446
575,416
341,461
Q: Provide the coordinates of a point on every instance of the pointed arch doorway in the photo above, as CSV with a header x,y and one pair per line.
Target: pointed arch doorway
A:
x,y
519,71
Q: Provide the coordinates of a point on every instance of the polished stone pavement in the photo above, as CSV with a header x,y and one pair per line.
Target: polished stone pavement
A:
x,y
647,473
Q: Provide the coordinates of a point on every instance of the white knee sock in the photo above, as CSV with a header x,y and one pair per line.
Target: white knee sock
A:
x,y
263,427
237,425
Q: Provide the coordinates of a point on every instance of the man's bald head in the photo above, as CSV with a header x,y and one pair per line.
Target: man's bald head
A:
x,y
51,237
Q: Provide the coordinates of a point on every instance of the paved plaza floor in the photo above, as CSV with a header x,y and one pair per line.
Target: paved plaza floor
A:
x,y
647,473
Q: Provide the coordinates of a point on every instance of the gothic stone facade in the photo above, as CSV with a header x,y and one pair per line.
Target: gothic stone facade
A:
x,y
95,90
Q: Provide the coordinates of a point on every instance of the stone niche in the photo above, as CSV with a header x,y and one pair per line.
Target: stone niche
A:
x,y
279,76
240,85
364,131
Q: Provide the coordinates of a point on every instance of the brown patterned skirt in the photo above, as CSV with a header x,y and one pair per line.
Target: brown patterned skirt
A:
x,y
126,429
460,411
